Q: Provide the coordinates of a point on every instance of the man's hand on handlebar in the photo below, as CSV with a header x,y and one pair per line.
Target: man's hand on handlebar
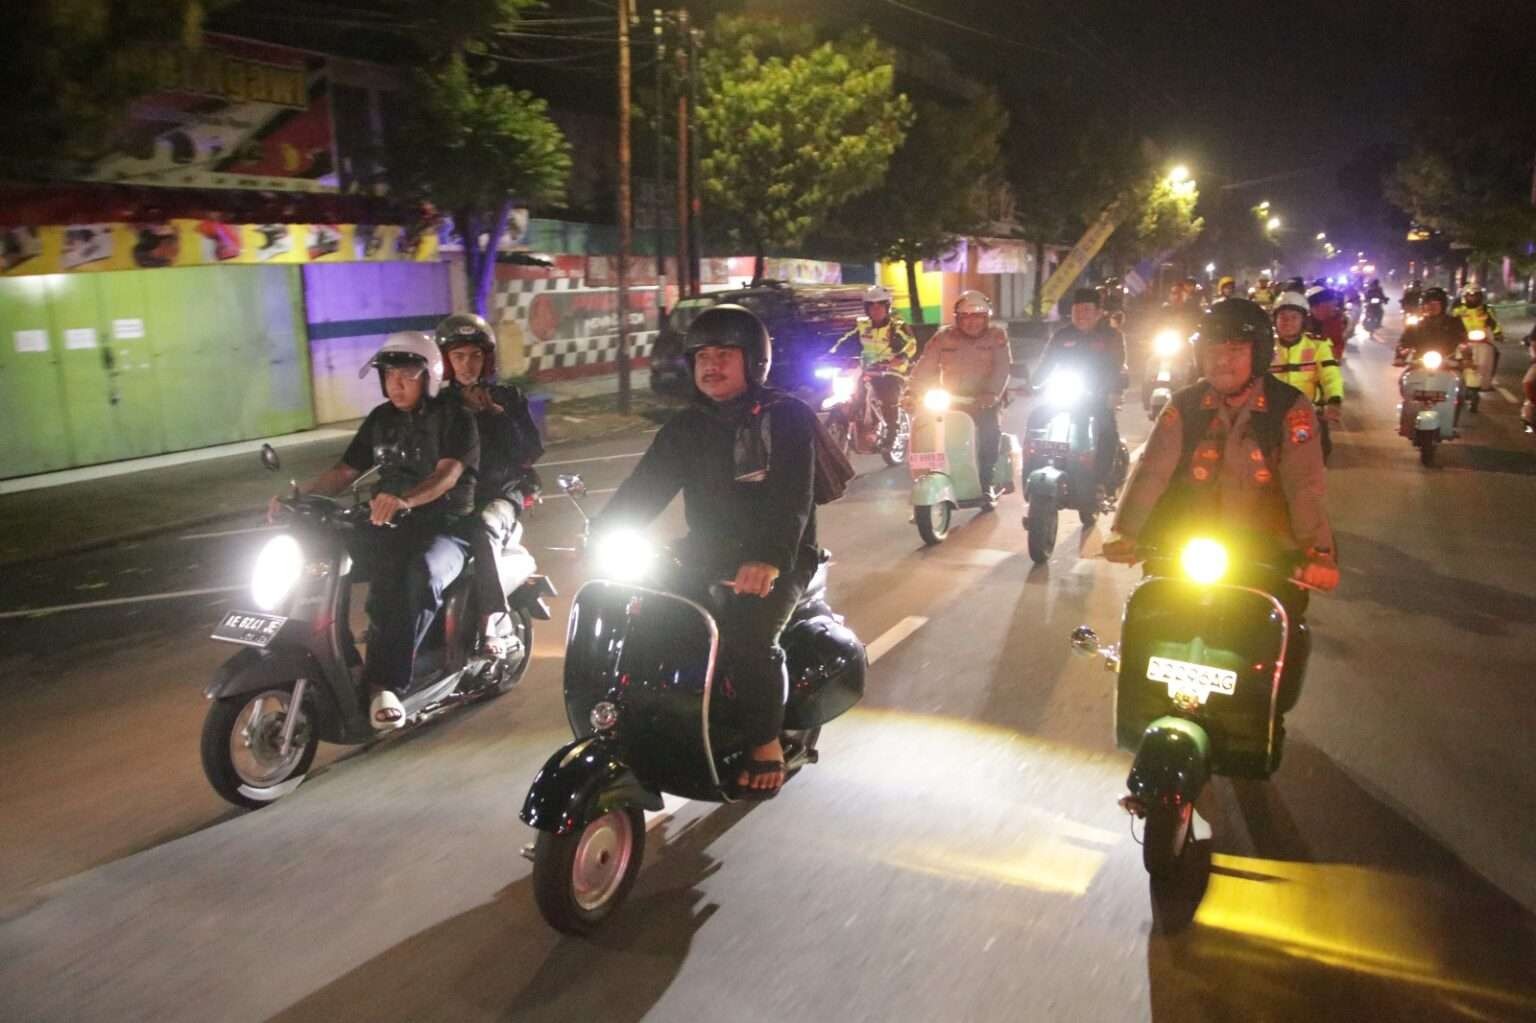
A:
x,y
1319,572
384,507
754,579
275,510
1121,550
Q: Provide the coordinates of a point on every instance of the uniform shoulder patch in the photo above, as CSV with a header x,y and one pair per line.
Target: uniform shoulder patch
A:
x,y
1298,423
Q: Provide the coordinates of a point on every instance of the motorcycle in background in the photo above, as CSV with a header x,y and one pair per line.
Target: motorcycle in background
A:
x,y
942,459
1431,392
853,410
297,679
1375,309
1478,357
1170,367
1060,463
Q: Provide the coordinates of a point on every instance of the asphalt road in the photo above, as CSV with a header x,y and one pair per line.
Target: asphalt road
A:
x,y
957,854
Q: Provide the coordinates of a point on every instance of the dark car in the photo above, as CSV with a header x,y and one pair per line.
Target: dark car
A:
x,y
803,319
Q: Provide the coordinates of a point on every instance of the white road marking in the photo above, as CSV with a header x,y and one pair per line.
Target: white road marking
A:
x,y
117,601
1508,395
890,637
979,557
228,532
584,461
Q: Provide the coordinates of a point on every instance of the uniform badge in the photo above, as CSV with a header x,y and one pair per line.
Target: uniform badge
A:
x,y
1261,403
1201,473
1210,453
1262,475
1299,424
1170,415
1209,401
1256,455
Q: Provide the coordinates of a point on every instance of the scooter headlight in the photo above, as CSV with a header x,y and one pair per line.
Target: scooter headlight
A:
x,y
1432,360
1204,561
624,555
1477,335
937,400
1065,389
826,372
1166,343
843,386
1413,320
278,568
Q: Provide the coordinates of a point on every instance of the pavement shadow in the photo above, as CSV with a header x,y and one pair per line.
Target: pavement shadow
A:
x,y
500,961
1392,577
1374,919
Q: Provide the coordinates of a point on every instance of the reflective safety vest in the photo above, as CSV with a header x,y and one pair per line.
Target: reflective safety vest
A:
x,y
1309,366
1264,296
893,342
1478,318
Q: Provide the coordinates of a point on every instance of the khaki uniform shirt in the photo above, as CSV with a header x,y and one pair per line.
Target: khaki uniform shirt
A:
x,y
972,367
1284,500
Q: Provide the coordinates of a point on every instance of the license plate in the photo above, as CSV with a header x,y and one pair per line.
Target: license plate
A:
x,y
1196,680
931,461
1429,397
248,628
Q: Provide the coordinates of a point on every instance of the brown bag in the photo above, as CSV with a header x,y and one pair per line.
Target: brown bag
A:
x,y
833,470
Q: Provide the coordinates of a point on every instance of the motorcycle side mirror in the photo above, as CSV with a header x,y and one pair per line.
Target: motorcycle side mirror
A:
x,y
572,484
1085,641
269,458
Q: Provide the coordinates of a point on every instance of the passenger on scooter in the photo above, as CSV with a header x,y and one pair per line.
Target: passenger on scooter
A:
x,y
883,339
743,456
971,359
1305,361
427,449
505,483
1240,451
1091,347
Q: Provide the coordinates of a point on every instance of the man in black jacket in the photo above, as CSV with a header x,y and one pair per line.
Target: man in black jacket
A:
x,y
743,456
1091,347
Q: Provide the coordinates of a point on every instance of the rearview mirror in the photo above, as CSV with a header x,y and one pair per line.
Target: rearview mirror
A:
x,y
572,484
1085,641
269,458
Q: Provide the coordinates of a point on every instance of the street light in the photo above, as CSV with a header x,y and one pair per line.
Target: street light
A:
x,y
1210,269
1263,207
1273,224
1321,236
1179,174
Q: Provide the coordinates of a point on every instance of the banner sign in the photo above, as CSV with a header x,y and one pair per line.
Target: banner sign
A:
x,y
1086,248
1001,257
86,247
953,261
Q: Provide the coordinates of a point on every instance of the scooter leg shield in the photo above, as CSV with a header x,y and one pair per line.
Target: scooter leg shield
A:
x,y
582,780
1172,764
1043,482
934,488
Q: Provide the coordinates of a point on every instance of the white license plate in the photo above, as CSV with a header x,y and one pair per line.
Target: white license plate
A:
x,y
248,628
930,461
1197,680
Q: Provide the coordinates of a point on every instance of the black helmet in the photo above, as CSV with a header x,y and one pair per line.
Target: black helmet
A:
x,y
1085,296
1237,319
464,329
1436,295
732,326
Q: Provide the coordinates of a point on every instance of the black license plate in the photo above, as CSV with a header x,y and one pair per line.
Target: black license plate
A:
x,y
1429,397
248,628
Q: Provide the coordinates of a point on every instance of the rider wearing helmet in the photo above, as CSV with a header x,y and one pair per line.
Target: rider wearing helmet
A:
x,y
1475,315
883,340
1226,287
1436,330
971,359
1328,319
743,457
1238,451
1263,292
427,450
1091,347
505,482
1413,295
1305,360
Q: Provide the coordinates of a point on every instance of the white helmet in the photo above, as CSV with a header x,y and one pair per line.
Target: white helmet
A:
x,y
876,293
404,348
973,302
1292,300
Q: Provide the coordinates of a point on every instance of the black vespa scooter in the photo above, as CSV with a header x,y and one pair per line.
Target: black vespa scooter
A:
x,y
1207,652
1060,463
651,712
299,652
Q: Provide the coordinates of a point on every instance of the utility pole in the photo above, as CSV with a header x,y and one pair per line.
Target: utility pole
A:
x,y
658,121
624,207
685,275
695,215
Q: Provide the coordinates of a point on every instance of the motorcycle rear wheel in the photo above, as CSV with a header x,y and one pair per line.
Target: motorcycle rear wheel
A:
x,y
581,877
1165,838
932,522
1040,522
1428,441
508,673
241,761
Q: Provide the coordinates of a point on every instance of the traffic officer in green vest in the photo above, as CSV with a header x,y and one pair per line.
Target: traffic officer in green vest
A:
x,y
1239,450
1306,361
883,340
1263,292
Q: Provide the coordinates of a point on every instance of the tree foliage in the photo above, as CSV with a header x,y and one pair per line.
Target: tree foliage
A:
x,y
1459,192
790,130
1158,217
70,72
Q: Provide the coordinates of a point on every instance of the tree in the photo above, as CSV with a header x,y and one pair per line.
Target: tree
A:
x,y
473,148
1158,216
936,189
789,133
73,67
1474,203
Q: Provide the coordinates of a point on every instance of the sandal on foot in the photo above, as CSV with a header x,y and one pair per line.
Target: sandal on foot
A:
x,y
387,712
754,769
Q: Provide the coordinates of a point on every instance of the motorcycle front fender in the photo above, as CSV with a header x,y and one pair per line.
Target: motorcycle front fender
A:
x,y
583,780
1427,419
1172,764
934,488
252,671
1043,482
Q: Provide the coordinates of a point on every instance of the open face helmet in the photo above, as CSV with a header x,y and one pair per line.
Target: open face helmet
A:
x,y
408,348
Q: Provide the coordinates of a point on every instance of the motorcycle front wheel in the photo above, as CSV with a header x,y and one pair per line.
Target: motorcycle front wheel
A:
x,y
581,877
932,522
1040,522
242,743
840,431
1428,441
1167,834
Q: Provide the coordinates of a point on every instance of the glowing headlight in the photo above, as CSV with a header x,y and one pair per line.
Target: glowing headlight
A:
x,y
1166,343
1065,388
1413,319
843,386
1477,335
1203,561
936,400
826,372
624,555
1432,360
278,567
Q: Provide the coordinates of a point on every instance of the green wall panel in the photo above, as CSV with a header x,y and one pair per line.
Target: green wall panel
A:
x,y
34,424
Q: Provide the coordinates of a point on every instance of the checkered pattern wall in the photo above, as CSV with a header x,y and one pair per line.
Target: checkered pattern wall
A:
x,y
584,339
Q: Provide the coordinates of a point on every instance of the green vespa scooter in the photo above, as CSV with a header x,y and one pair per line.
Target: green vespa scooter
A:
x,y
942,457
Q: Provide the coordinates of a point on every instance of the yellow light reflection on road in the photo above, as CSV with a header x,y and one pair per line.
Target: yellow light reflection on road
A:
x,y
1048,865
1367,921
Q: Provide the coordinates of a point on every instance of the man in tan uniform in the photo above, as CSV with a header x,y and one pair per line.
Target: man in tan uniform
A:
x,y
1238,453
971,360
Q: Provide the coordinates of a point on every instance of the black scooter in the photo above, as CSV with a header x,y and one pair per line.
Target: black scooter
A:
x,y
1206,653
651,712
299,652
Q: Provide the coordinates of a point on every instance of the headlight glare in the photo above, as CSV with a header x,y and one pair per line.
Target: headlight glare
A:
x,y
1166,343
1065,389
1203,561
1432,360
624,555
936,400
278,568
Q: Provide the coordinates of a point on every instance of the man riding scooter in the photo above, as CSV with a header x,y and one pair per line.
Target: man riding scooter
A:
x,y
505,482
1328,319
971,359
1240,449
1437,329
426,450
1092,348
1483,331
883,340
1305,361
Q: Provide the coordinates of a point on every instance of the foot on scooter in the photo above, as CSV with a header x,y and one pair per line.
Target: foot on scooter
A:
x,y
496,635
386,712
